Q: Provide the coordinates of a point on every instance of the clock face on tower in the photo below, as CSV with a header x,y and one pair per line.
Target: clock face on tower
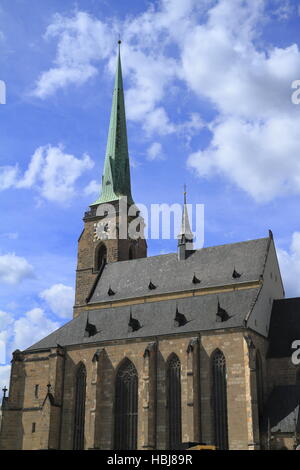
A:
x,y
104,230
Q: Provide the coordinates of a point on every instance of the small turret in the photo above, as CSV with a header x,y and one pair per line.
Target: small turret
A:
x,y
186,236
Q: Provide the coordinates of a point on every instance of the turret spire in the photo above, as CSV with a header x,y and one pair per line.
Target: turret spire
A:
x,y
185,236
185,231
116,175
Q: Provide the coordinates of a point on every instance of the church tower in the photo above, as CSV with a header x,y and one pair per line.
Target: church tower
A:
x,y
106,237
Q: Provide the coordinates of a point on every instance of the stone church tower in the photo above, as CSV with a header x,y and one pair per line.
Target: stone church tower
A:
x,y
163,351
103,240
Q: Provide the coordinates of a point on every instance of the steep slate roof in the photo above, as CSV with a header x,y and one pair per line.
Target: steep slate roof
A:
x,y
284,327
213,266
155,318
282,409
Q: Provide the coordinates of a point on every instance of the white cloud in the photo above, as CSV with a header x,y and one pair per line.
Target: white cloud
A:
x,y
251,90
289,261
191,127
5,320
21,333
220,61
149,76
34,169
82,40
32,327
248,152
51,171
219,56
8,176
92,188
155,152
60,77
60,299
283,9
249,86
14,269
157,120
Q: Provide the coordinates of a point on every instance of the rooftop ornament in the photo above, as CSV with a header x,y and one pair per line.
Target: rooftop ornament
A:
x,y
222,315
110,291
133,324
90,329
196,280
151,286
235,274
180,319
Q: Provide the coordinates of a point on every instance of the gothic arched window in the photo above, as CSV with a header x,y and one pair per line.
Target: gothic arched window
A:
x,y
79,408
126,407
219,395
101,257
174,401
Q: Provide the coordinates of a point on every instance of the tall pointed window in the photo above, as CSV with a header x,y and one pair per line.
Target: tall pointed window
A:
x,y
101,257
126,407
174,401
80,393
219,396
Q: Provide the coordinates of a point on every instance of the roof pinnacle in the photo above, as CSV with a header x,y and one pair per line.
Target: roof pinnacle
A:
x,y
186,233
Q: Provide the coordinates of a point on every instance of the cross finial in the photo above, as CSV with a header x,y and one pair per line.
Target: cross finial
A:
x,y
4,390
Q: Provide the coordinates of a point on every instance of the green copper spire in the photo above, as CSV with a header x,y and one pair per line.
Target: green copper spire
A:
x,y
116,175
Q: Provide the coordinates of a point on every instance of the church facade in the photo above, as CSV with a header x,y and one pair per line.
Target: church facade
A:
x,y
162,351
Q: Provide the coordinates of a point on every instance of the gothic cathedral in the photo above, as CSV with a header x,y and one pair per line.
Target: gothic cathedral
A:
x,y
162,351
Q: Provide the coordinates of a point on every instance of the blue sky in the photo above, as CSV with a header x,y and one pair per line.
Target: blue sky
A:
x,y
208,101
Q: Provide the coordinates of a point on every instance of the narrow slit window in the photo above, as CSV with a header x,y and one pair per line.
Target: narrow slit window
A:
x,y
174,402
126,407
80,393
